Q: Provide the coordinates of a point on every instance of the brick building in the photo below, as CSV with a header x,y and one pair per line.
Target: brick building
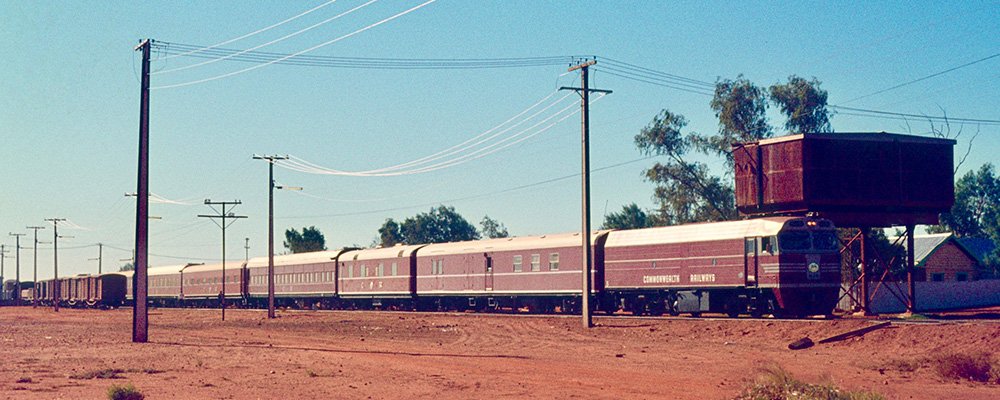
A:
x,y
942,257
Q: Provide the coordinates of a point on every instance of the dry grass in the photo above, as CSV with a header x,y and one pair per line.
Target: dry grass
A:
x,y
977,367
109,373
777,384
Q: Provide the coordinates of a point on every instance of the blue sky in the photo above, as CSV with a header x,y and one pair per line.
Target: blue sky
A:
x,y
69,107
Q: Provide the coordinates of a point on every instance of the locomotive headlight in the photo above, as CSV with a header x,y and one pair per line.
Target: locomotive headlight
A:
x,y
813,267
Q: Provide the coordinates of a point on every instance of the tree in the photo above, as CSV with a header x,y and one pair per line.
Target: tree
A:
x,y
685,191
804,105
492,228
976,212
127,267
389,234
741,108
440,225
630,217
310,239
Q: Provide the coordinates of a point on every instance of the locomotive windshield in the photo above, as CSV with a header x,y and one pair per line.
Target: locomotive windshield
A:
x,y
805,237
823,240
794,240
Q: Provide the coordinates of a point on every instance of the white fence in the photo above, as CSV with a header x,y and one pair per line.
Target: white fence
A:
x,y
931,296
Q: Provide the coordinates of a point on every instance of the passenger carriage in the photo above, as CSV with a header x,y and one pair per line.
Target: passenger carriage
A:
x,y
305,280
378,278
537,272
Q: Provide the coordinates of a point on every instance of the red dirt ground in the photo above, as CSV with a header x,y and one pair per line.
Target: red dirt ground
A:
x,y
389,355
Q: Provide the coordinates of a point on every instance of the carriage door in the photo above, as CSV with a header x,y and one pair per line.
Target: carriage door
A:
x,y
489,272
751,257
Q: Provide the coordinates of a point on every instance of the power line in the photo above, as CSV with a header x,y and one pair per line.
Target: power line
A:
x,y
329,42
924,78
902,116
290,35
489,194
202,49
369,62
301,165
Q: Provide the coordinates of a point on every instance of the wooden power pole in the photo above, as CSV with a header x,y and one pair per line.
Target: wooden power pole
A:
x,y
140,312
584,92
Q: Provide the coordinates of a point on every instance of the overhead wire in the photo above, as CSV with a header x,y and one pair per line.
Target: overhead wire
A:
x,y
923,78
301,165
327,43
902,116
288,36
262,30
488,194
372,62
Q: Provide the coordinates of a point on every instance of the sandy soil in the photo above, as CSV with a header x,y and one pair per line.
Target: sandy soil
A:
x,y
387,355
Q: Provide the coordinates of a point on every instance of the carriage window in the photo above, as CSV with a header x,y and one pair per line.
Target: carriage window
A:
x,y
536,262
381,269
394,269
364,270
517,263
553,261
768,244
825,241
794,240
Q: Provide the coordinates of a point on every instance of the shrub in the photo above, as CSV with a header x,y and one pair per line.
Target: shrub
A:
x,y
109,373
776,383
124,392
974,367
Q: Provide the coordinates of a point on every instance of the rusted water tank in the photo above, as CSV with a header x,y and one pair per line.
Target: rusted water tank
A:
x,y
854,179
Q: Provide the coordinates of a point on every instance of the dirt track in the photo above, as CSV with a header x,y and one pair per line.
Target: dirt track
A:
x,y
360,355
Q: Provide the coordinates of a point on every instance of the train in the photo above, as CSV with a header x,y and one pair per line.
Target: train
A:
x,y
83,290
784,266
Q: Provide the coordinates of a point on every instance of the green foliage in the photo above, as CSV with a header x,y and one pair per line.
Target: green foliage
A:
x,y
439,225
127,267
741,108
804,105
492,228
124,392
776,383
630,217
976,212
389,234
685,191
310,239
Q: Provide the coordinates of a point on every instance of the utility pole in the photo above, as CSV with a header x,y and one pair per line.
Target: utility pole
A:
x,y
223,214
55,262
270,229
584,92
100,257
3,255
140,286
17,276
34,286
246,256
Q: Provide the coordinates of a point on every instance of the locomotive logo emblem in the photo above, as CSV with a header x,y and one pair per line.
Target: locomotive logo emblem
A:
x,y
813,267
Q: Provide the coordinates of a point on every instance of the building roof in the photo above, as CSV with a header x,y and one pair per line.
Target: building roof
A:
x,y
981,247
925,245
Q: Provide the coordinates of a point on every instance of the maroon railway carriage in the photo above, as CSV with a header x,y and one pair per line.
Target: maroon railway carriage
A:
x,y
305,280
539,272
781,265
106,290
378,278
